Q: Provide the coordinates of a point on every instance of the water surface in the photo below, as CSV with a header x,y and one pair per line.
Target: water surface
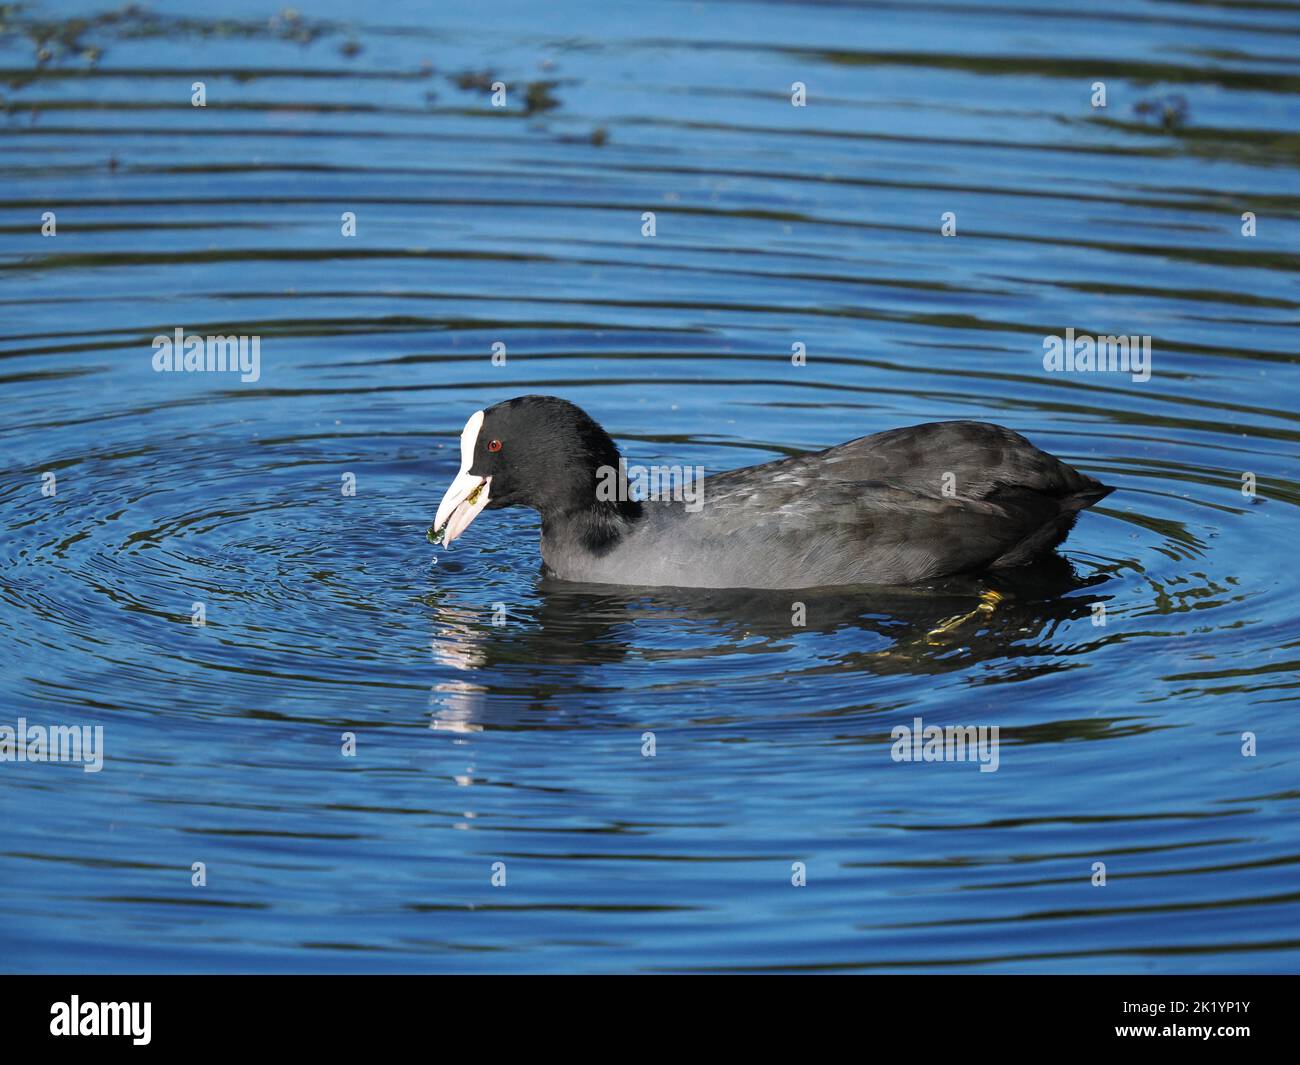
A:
x,y
522,742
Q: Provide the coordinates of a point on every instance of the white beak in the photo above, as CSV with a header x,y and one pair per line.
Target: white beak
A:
x,y
468,494
460,506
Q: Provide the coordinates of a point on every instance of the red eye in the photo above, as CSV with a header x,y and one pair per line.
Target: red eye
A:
x,y
494,445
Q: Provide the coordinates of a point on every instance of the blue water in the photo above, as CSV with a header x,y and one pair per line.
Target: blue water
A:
x,y
522,742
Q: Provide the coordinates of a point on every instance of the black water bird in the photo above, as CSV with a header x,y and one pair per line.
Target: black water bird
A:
x,y
894,508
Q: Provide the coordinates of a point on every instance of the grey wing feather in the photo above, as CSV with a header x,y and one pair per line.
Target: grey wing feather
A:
x,y
901,505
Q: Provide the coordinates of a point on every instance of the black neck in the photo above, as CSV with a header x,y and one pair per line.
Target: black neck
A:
x,y
597,525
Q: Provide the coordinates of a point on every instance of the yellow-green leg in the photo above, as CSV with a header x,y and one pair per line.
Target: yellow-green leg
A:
x,y
989,599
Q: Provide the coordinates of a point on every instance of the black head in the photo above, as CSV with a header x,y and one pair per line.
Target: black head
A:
x,y
541,452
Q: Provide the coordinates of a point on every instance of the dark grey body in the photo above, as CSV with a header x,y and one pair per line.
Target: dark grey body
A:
x,y
870,511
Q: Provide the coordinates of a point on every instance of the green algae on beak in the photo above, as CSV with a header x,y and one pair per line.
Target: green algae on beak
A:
x,y
434,536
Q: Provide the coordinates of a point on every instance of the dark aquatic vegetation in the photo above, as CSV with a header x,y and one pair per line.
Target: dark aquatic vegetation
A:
x,y
438,530
737,232
1169,111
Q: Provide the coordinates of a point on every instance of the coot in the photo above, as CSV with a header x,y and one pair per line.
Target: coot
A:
x,y
897,507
